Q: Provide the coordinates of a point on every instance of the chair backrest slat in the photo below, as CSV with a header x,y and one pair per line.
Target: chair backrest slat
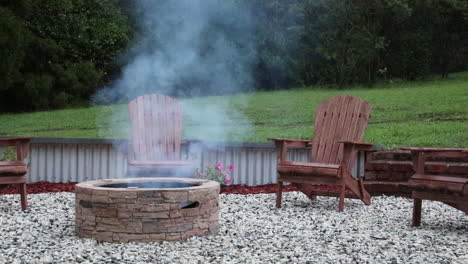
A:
x,y
340,118
156,127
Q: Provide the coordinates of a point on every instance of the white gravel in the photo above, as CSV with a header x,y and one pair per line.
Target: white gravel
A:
x,y
252,231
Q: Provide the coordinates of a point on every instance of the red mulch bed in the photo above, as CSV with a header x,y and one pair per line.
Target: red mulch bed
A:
x,y
242,189
40,187
45,187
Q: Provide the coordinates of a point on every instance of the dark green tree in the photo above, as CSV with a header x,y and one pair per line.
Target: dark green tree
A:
x,y
58,51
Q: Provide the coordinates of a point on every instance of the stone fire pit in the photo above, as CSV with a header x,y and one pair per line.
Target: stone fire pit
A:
x,y
146,209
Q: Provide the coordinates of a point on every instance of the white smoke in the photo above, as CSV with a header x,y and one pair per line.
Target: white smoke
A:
x,y
188,48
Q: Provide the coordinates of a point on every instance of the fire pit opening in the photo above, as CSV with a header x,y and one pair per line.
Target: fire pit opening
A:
x,y
150,184
146,209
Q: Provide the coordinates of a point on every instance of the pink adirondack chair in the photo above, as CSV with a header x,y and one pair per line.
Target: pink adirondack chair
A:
x,y
156,131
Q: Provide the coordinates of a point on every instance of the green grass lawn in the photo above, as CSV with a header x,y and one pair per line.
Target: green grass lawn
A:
x,y
422,113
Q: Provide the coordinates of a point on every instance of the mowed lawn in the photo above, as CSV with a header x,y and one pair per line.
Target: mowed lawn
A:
x,y
422,113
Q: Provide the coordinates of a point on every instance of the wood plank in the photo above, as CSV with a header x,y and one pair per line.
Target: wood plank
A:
x,y
142,128
15,170
151,129
352,127
425,149
137,132
317,179
335,130
310,164
343,128
438,188
319,119
12,163
167,133
14,141
446,198
13,179
174,135
309,169
440,178
178,133
161,128
323,140
131,113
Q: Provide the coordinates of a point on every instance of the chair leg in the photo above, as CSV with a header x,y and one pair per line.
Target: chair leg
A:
x,y
342,196
24,194
279,193
417,205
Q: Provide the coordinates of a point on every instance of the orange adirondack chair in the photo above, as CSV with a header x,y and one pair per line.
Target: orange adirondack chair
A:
x,y
15,171
339,126
156,130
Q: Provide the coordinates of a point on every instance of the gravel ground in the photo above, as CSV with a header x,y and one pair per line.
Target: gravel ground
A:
x,y
252,231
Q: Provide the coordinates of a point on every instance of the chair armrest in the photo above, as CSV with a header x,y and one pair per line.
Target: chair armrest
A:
x,y
282,145
366,146
21,144
350,148
13,141
291,142
191,141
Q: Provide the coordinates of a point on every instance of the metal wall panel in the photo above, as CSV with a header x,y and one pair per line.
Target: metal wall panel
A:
x,y
61,162
76,160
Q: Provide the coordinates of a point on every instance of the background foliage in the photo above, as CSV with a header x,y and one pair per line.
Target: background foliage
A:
x,y
57,53
342,42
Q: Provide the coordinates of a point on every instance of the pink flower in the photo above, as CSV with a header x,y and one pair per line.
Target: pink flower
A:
x,y
219,165
231,167
224,173
201,174
228,181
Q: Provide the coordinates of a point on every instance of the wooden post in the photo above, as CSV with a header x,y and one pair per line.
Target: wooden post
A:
x,y
23,192
279,193
417,204
342,196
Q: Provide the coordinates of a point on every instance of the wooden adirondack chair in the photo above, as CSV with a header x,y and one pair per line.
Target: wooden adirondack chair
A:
x,y
449,189
15,171
339,126
156,130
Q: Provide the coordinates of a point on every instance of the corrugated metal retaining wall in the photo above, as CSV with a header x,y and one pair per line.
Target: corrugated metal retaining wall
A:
x,y
77,160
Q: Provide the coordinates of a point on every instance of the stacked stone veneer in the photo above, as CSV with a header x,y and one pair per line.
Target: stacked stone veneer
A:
x,y
142,214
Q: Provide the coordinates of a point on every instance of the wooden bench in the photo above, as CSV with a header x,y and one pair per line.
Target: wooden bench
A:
x,y
449,189
15,171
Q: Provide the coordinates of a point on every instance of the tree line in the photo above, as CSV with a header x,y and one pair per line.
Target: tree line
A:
x,y
57,53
